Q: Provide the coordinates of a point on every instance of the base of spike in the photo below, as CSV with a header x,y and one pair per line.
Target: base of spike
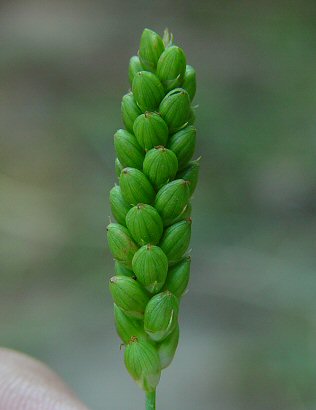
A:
x,y
151,400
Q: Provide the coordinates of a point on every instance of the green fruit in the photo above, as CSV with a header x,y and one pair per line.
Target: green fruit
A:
x,y
121,270
135,187
128,295
185,214
160,166
118,167
150,265
175,240
128,151
167,348
171,67
148,90
189,82
171,200
150,130
175,109
150,49
130,111
127,327
133,68
161,316
178,277
121,244
191,119
119,207
182,143
142,362
191,174
144,224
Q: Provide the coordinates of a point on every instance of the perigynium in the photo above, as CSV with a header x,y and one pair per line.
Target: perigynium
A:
x,y
152,207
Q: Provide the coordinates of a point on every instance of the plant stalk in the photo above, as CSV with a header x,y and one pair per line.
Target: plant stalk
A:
x,y
151,400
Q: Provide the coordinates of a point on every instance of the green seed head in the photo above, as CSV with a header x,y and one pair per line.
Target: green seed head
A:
x,y
150,49
150,130
171,200
130,111
148,90
118,167
161,316
167,348
129,296
121,244
171,67
182,143
160,166
175,240
133,68
175,109
121,270
135,187
178,277
191,174
129,152
157,178
119,207
189,82
150,265
145,224
127,327
142,362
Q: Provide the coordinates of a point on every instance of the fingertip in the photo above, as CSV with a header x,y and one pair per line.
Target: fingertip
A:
x,y
28,384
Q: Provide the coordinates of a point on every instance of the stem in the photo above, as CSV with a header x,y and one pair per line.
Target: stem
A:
x,y
151,400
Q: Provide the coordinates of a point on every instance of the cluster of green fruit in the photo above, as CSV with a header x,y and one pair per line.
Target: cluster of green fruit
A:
x,y
151,205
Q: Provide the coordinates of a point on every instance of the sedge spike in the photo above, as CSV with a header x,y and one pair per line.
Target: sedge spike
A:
x,y
152,207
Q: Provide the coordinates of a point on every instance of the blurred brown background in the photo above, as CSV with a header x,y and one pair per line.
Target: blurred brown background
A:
x,y
248,324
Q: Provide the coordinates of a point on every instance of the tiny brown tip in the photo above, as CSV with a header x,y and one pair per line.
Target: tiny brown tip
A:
x,y
133,339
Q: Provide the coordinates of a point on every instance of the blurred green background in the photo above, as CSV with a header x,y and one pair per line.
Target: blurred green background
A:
x,y
248,324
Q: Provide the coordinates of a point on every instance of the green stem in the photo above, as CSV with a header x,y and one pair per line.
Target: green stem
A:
x,y
151,401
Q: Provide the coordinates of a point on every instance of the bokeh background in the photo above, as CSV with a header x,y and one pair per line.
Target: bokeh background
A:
x,y
248,324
